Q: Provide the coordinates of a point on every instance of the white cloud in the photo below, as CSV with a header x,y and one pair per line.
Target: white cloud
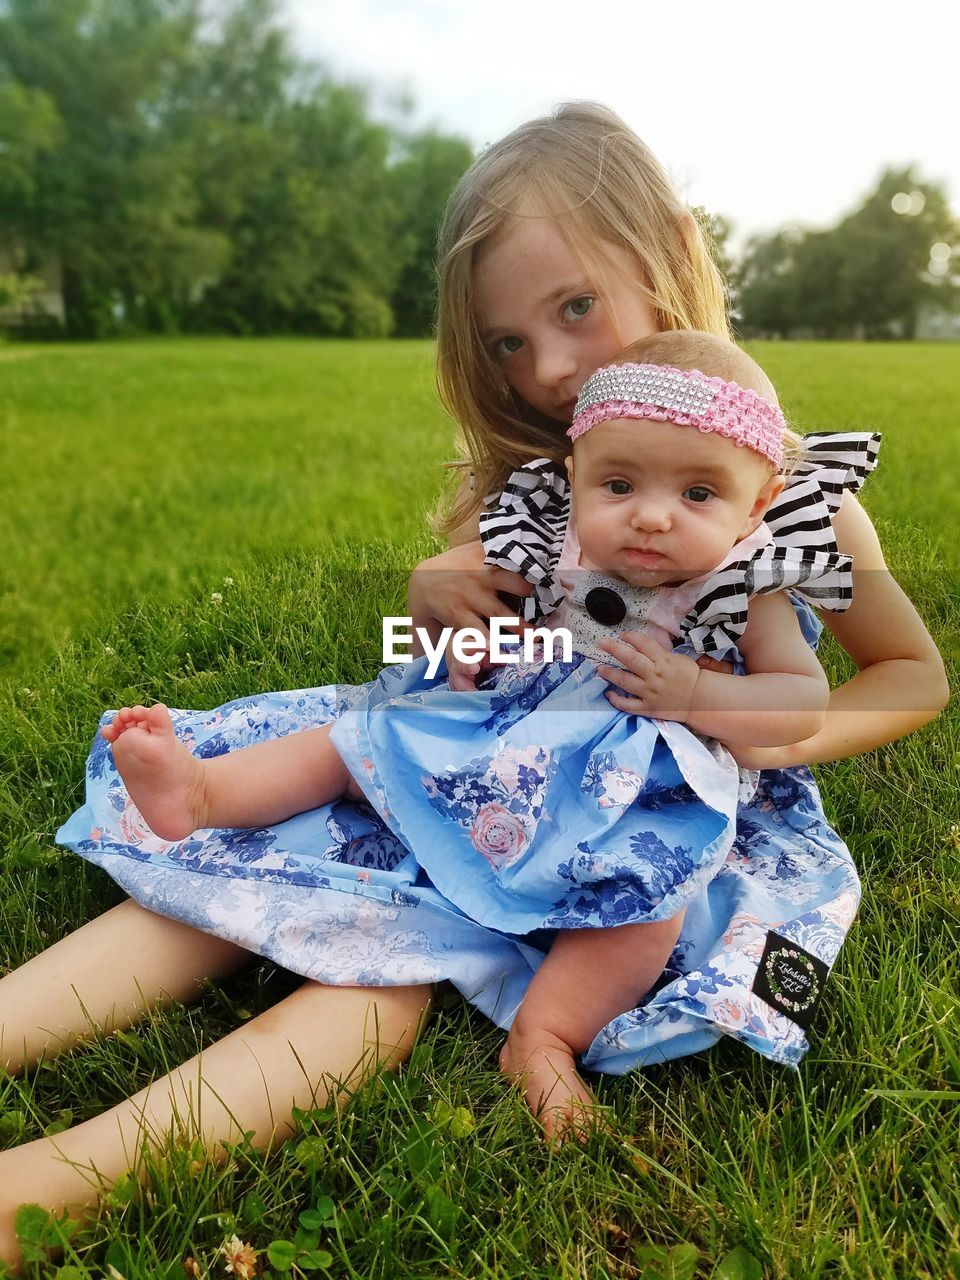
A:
x,y
767,113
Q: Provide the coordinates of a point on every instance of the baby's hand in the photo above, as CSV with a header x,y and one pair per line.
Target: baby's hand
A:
x,y
656,682
463,676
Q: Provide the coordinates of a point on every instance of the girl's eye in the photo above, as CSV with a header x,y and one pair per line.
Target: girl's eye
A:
x,y
577,308
506,347
619,488
698,493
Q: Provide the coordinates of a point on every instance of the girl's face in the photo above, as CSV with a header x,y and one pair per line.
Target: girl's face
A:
x,y
542,318
656,503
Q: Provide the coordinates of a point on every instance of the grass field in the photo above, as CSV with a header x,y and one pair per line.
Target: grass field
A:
x,y
201,520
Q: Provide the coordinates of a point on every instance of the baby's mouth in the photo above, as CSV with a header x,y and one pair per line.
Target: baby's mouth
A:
x,y
643,558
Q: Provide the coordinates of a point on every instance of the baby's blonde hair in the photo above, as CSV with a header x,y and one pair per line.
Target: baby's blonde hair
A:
x,y
718,358
584,168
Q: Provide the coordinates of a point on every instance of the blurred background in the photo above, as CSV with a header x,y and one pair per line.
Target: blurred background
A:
x,y
261,167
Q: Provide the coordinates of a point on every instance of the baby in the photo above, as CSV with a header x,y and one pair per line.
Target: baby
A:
x,y
535,803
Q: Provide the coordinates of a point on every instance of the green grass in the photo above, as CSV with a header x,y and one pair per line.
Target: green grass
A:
x,y
136,478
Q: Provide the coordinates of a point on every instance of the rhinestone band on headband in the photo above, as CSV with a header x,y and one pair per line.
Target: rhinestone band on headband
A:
x,y
686,397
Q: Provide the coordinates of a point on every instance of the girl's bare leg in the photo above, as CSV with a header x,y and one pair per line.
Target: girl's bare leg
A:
x,y
299,1053
588,977
106,974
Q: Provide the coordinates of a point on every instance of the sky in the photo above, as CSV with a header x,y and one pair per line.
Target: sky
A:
x,y
768,113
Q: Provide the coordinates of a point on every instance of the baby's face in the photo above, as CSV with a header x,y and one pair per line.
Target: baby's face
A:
x,y
656,503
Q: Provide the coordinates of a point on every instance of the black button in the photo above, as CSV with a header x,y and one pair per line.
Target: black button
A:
x,y
605,606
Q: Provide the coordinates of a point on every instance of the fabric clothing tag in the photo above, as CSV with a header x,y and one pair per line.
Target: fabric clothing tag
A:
x,y
790,979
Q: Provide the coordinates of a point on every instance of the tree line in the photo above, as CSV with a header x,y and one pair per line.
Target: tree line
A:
x,y
866,277
189,172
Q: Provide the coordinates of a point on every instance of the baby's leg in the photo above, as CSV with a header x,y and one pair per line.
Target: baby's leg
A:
x,y
177,793
300,1053
588,977
103,976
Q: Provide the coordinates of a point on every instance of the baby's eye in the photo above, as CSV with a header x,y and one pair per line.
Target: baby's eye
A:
x,y
619,488
504,347
698,493
577,308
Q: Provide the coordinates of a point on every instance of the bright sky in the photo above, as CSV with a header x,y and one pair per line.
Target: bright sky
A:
x,y
765,112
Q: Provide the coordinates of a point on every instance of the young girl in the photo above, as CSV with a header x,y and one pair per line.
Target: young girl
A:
x,y
564,243
492,791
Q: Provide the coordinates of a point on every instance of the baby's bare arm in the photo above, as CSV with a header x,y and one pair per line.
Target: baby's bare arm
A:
x,y
781,700
784,696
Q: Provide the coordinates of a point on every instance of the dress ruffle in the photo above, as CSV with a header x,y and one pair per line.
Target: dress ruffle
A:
x,y
525,532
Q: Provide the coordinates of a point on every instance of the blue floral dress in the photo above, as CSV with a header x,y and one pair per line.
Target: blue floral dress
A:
x,y
498,817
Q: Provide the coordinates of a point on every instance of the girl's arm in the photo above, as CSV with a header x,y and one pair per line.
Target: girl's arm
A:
x,y
900,683
782,700
469,531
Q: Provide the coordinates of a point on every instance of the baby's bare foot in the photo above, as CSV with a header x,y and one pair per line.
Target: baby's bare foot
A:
x,y
545,1070
163,779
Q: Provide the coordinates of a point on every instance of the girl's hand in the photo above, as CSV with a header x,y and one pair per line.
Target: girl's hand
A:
x,y
456,589
656,682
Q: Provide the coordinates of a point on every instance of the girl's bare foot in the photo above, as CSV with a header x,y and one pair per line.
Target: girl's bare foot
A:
x,y
163,779
544,1068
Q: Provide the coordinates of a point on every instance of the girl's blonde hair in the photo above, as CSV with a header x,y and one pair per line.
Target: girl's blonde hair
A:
x,y
584,168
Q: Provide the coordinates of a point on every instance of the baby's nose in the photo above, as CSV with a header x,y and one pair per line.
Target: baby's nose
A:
x,y
651,515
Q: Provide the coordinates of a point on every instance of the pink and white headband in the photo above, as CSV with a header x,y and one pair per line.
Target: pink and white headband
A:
x,y
684,396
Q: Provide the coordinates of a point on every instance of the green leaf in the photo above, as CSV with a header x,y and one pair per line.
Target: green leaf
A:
x,y
253,1207
317,1260
116,1256
423,1152
442,1213
63,1120
311,1220
30,1223
660,1262
282,1254
738,1264
311,1154
59,1229
306,1240
123,1190
458,1121
12,1125
69,1273
462,1123
441,1113
326,1207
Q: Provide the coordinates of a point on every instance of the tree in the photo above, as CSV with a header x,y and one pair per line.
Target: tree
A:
x,y
422,179
865,277
187,170
108,68
763,286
